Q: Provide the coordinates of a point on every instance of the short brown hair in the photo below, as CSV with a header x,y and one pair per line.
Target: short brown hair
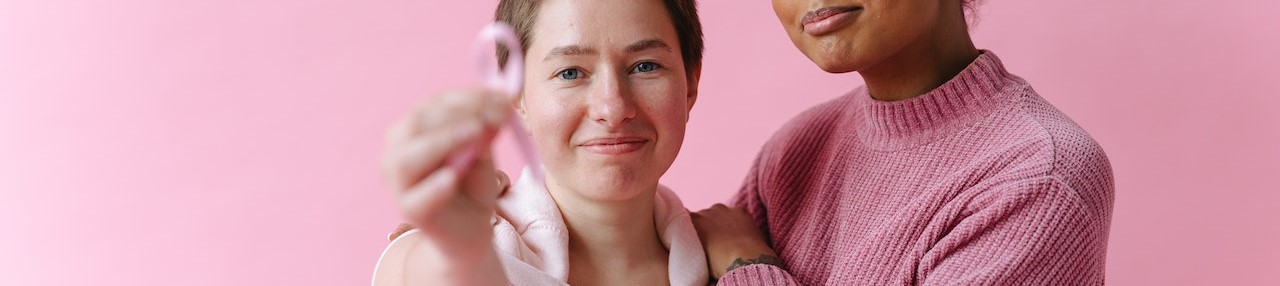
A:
x,y
520,14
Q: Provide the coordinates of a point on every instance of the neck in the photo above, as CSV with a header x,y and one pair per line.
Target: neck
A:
x,y
925,64
610,240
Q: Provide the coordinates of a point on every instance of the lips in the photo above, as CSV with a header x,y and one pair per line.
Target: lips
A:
x,y
826,20
614,145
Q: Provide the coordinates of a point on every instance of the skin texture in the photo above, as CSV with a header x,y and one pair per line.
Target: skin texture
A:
x,y
901,48
597,73
606,70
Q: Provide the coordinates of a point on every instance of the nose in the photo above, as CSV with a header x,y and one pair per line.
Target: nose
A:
x,y
609,103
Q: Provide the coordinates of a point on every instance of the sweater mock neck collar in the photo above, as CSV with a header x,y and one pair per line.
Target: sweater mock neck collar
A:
x,y
964,99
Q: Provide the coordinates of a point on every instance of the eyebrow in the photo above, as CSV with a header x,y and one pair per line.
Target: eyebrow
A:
x,y
647,45
570,50
576,50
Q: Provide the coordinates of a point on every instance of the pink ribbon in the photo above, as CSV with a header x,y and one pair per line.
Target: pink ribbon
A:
x,y
509,80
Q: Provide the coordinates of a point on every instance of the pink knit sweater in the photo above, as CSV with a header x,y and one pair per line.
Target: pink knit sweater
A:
x,y
977,182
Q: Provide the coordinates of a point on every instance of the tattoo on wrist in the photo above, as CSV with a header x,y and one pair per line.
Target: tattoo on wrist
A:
x,y
763,259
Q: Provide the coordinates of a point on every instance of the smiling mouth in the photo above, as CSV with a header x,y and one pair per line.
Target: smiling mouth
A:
x,y
822,21
614,146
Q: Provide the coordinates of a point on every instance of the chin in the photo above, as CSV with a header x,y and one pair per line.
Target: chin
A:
x,y
611,192
833,60
834,64
609,184
836,53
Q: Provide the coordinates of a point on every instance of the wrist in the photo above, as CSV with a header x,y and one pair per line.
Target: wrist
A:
x,y
743,258
482,269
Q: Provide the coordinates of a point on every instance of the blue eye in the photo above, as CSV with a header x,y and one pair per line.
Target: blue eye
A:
x,y
569,74
646,67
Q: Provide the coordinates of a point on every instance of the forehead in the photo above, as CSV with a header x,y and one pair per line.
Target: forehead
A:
x,y
600,24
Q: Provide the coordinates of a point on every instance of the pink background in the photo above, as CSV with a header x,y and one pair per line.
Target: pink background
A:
x,y
235,142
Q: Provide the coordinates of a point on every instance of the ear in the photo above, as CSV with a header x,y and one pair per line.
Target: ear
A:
x,y
694,78
520,111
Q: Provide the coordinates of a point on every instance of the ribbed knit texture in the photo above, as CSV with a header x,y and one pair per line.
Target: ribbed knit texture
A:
x,y
978,182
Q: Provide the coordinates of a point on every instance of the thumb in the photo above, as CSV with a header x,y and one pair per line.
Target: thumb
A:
x,y
504,182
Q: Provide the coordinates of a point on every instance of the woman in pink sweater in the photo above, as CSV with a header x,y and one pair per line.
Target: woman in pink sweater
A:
x,y
944,169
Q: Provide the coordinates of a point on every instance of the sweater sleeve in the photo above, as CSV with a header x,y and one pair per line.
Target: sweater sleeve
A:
x,y
1032,232
758,274
750,198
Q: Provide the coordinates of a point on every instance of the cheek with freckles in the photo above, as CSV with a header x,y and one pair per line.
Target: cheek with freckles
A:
x,y
552,124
